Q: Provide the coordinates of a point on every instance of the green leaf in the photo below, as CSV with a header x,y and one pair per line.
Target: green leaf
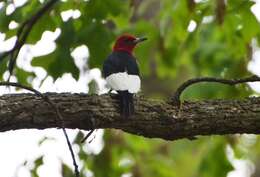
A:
x,y
250,26
23,76
79,137
3,67
60,61
99,9
44,139
66,171
57,63
47,22
98,40
19,15
215,163
37,163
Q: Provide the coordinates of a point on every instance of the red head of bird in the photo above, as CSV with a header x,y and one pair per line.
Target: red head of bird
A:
x,y
127,43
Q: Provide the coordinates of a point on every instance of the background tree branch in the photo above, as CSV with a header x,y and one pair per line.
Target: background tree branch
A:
x,y
153,119
23,32
176,97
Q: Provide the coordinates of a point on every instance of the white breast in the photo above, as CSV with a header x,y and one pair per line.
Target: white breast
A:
x,y
124,81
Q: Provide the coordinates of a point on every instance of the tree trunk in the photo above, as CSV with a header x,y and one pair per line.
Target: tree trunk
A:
x,y
153,119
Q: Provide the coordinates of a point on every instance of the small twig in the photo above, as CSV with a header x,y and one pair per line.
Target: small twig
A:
x,y
47,99
22,34
176,98
90,141
87,136
22,86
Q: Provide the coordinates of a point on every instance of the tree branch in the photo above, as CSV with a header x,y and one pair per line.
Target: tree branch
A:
x,y
22,34
153,119
58,114
176,97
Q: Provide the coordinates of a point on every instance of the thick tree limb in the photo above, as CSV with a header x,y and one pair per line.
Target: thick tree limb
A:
x,y
153,119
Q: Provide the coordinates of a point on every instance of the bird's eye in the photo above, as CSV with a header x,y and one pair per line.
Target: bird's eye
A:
x,y
128,41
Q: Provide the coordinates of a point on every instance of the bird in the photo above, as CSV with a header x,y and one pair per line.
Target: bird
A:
x,y
121,72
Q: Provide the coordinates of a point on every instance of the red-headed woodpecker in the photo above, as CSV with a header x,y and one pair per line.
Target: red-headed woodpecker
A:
x,y
121,72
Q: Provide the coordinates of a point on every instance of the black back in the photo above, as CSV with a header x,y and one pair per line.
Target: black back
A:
x,y
120,61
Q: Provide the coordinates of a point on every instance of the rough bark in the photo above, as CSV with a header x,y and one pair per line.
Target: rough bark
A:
x,y
153,119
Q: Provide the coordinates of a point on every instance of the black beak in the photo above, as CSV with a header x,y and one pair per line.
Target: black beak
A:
x,y
141,39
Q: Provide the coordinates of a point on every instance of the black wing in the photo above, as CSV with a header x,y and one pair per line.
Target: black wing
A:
x,y
120,61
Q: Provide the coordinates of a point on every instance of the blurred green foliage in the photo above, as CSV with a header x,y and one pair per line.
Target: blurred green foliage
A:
x,y
219,44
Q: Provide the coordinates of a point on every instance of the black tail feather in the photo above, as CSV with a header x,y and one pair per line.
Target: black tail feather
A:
x,y
126,103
